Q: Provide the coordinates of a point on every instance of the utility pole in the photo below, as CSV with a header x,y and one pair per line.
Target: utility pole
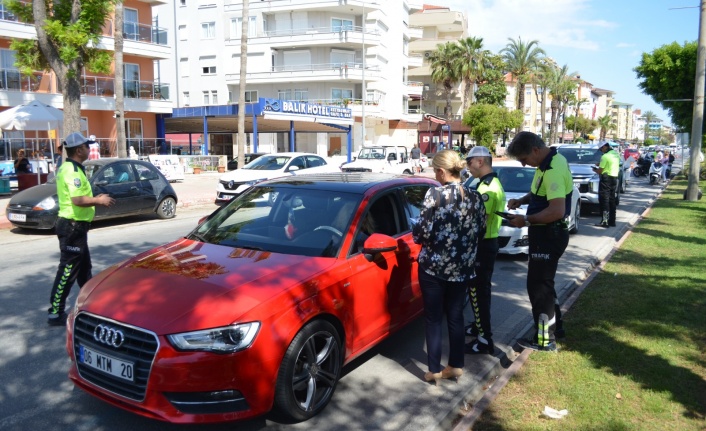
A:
x,y
692,190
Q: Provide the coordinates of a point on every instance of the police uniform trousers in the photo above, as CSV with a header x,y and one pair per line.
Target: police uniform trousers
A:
x,y
480,286
546,245
74,263
606,197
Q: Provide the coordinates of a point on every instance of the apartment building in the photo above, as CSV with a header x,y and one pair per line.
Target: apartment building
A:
x,y
146,93
365,55
623,120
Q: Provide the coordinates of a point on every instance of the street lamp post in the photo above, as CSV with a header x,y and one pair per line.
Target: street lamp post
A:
x,y
698,114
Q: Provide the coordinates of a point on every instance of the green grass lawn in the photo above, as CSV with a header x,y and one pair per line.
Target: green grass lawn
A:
x,y
635,353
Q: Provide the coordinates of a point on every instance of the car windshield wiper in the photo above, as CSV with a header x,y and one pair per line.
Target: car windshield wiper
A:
x,y
198,237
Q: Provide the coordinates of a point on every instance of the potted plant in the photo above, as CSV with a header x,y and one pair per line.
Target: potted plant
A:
x,y
196,168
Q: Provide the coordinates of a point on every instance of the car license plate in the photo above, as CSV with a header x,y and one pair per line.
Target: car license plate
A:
x,y
107,364
17,217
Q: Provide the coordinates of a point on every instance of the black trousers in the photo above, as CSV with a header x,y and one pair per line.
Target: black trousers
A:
x,y
546,245
480,286
74,263
606,196
443,297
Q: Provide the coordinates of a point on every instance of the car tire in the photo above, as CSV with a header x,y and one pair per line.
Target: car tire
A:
x,y
575,227
309,372
167,208
407,172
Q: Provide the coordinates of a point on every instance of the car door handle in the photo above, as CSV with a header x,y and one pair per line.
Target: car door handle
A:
x,y
133,189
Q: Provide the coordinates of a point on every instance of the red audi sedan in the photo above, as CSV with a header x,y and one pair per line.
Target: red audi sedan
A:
x,y
259,307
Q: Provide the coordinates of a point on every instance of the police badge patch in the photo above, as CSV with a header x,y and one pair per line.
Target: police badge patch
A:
x,y
485,197
77,182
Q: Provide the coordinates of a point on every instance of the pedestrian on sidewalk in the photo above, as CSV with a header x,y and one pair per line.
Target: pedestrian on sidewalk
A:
x,y
608,169
449,227
480,164
415,155
76,211
549,203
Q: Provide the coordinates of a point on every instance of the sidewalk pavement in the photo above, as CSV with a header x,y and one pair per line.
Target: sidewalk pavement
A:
x,y
194,190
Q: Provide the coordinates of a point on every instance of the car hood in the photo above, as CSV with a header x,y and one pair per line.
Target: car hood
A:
x,y
188,285
33,195
244,175
515,195
581,170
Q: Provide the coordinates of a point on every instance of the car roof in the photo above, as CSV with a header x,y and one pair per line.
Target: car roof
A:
x,y
572,146
108,160
292,154
352,182
509,162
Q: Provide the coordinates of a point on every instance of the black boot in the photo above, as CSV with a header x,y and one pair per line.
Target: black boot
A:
x,y
604,220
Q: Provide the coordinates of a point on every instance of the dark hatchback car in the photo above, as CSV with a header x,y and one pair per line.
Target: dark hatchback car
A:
x,y
249,157
137,187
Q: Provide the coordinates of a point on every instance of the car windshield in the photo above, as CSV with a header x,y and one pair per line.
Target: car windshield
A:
x,y
581,156
282,219
515,179
268,163
372,154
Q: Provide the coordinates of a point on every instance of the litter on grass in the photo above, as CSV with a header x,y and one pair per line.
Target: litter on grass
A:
x,y
553,413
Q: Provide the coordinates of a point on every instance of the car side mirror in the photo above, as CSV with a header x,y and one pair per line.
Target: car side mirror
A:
x,y
378,243
293,168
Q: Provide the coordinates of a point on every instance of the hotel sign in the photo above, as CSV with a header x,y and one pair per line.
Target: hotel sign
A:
x,y
321,112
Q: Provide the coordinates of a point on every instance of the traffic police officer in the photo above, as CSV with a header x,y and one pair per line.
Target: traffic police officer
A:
x,y
549,202
608,169
480,165
76,211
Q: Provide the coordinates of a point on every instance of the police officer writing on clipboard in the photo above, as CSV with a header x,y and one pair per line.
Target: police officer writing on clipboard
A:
x,y
480,164
76,211
608,169
549,202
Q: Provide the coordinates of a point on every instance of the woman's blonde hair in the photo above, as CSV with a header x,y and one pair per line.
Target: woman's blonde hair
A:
x,y
449,160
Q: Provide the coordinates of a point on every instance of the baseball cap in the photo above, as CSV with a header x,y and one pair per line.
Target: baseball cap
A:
x,y
604,144
478,151
76,140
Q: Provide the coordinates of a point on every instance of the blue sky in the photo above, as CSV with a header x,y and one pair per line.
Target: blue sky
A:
x,y
601,40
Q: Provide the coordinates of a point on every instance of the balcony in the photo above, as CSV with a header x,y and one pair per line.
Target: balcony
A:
x,y
13,80
315,72
345,37
99,86
415,60
134,31
414,88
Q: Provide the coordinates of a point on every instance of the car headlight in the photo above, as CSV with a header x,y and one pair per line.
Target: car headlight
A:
x,y
45,204
227,339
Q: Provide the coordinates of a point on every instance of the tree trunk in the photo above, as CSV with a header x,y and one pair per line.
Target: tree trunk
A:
x,y
241,83
554,119
467,87
120,142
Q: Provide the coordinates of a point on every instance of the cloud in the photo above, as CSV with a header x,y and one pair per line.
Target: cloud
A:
x,y
559,23
625,45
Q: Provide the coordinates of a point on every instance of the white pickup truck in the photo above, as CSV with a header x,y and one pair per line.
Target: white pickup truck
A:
x,y
389,159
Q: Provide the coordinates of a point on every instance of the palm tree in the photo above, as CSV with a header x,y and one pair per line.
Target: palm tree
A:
x,y
649,117
605,123
521,58
561,88
470,63
444,72
540,82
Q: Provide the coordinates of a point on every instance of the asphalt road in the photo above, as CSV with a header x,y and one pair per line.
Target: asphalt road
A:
x,y
383,390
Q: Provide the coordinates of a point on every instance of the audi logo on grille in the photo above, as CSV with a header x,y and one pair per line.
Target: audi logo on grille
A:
x,y
107,335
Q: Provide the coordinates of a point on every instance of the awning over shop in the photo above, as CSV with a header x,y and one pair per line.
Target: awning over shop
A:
x,y
434,119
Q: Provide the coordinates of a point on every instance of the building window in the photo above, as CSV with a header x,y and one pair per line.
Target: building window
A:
x,y
251,96
301,95
341,94
284,94
208,30
206,98
208,70
182,32
185,98
338,25
214,97
236,27
184,67
182,2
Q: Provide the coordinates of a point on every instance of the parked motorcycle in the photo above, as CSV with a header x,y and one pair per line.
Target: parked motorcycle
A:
x,y
656,172
643,166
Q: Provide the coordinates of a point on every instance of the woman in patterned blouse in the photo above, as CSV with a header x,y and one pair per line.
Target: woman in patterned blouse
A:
x,y
449,228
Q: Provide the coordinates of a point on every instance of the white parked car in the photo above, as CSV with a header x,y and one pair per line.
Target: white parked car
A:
x,y
232,184
516,180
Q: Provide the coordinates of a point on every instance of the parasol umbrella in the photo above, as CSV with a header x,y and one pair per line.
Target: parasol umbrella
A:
x,y
35,115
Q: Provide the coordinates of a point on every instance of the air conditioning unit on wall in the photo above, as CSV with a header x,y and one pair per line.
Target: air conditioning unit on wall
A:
x,y
427,54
